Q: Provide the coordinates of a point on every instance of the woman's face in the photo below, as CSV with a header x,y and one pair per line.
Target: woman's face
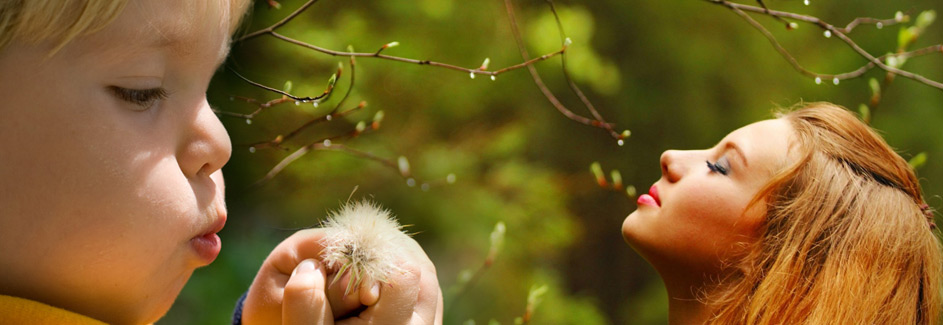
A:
x,y
695,216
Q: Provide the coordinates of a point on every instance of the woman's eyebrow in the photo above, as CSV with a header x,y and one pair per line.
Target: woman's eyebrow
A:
x,y
736,148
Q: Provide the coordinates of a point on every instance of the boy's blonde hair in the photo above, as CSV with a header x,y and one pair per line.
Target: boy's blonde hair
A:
x,y
847,239
61,21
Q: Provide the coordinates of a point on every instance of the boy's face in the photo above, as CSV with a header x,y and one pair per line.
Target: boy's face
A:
x,y
110,184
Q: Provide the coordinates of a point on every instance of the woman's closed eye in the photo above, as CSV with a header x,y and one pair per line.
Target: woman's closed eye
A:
x,y
722,166
144,98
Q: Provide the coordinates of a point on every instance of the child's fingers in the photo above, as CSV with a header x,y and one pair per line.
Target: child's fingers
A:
x,y
263,304
428,308
305,301
397,300
369,292
342,302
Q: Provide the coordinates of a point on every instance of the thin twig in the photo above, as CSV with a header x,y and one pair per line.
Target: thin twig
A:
x,y
276,143
539,81
881,23
321,97
415,61
317,145
528,62
279,23
838,32
600,121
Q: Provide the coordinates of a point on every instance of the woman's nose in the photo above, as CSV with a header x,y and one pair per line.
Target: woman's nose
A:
x,y
675,163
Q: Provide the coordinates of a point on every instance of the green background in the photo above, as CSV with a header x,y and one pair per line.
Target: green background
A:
x,y
678,74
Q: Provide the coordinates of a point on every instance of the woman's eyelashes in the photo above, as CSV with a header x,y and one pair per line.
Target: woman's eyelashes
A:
x,y
144,98
722,166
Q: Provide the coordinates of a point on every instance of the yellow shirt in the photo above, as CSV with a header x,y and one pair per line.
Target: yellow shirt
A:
x,y
15,310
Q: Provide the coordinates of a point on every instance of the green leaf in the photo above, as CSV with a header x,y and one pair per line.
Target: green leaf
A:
x,y
596,168
875,87
905,37
925,19
536,296
497,239
865,112
401,162
918,161
616,178
287,87
378,117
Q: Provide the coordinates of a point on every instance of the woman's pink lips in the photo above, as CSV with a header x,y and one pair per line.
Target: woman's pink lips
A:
x,y
651,198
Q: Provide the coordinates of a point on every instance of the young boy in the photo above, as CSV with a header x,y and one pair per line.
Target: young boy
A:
x,y
110,186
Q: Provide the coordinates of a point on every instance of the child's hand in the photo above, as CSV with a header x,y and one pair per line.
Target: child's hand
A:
x,y
291,288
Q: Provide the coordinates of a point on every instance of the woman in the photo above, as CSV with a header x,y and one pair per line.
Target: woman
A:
x,y
810,218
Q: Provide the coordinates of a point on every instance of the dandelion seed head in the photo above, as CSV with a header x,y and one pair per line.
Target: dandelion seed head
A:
x,y
362,239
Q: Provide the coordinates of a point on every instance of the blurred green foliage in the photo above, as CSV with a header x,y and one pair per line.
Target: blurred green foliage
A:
x,y
679,74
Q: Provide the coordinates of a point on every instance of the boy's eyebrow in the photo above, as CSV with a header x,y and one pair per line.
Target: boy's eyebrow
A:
x,y
178,46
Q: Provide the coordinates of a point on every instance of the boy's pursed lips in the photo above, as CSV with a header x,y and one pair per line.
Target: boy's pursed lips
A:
x,y
207,244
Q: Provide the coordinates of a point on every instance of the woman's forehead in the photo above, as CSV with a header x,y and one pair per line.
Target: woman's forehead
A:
x,y
766,142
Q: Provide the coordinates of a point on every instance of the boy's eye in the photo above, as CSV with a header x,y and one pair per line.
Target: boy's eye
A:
x,y
144,98
722,166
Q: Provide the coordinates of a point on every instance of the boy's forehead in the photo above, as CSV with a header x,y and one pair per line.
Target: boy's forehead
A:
x,y
183,28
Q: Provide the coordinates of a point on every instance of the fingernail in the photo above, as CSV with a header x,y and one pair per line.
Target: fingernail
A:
x,y
306,266
375,290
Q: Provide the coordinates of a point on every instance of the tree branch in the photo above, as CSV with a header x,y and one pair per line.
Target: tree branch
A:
x,y
597,121
740,9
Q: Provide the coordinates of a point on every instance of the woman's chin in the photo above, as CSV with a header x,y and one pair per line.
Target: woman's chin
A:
x,y
629,227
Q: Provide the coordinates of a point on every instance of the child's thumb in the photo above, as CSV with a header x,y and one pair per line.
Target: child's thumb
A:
x,y
305,301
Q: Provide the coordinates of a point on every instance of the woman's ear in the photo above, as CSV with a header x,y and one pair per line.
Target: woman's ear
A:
x,y
754,217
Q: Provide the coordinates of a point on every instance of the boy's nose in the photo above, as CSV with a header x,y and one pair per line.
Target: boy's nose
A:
x,y
208,147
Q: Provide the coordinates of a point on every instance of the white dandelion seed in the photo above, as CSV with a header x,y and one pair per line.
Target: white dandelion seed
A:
x,y
364,240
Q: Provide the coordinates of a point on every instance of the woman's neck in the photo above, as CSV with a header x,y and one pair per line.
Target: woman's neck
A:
x,y
684,307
